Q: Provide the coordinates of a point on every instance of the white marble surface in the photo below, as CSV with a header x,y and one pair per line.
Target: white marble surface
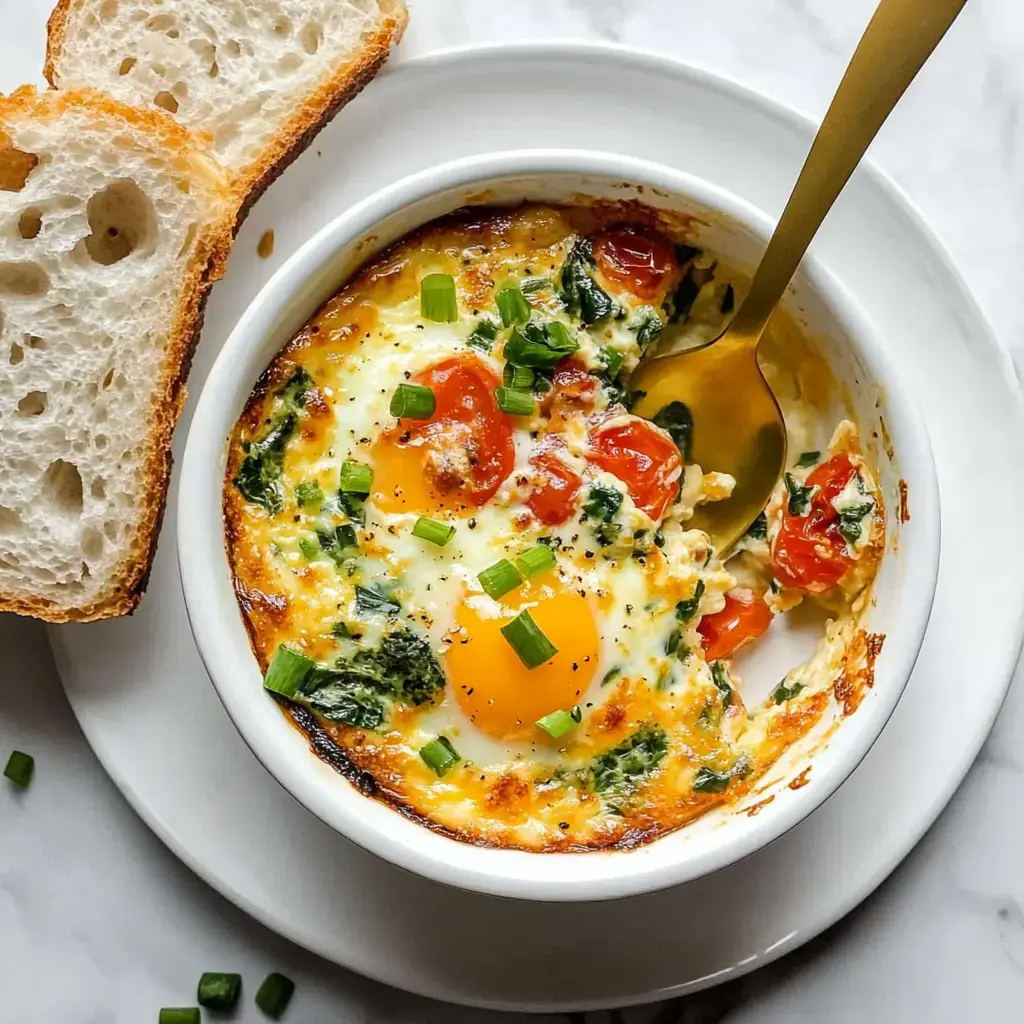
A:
x,y
100,924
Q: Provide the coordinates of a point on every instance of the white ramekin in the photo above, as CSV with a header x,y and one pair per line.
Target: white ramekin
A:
x,y
732,229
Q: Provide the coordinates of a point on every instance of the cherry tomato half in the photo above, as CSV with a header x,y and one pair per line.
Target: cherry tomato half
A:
x,y
643,458
553,498
459,456
809,553
742,619
639,259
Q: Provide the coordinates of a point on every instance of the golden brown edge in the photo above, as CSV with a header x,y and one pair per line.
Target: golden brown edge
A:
x,y
318,108
128,581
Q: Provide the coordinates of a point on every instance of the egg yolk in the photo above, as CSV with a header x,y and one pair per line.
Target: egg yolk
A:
x,y
495,690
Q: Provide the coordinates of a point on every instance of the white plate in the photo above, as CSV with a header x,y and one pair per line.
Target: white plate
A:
x,y
146,705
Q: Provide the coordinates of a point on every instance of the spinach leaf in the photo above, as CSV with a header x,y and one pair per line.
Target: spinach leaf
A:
x,y
529,285
648,330
720,677
672,643
680,303
357,706
759,527
799,496
539,346
707,780
338,543
581,294
603,502
611,675
259,475
677,419
630,398
851,520
685,610
372,600
782,692
409,666
484,335
623,767
808,459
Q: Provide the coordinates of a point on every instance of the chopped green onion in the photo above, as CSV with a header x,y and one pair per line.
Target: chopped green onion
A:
x,y
275,994
310,548
430,529
535,561
413,402
512,305
20,767
308,493
498,579
179,1015
440,756
437,298
520,378
287,672
219,991
356,477
558,723
527,640
515,403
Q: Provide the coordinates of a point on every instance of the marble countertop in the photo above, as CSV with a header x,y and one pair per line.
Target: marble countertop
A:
x,y
99,923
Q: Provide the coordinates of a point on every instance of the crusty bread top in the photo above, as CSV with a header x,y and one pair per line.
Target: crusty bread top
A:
x,y
113,222
260,76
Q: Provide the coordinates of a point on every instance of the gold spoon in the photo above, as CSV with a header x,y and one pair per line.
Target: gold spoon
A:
x,y
737,423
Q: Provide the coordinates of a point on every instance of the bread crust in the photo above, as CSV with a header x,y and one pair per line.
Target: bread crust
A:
x,y
128,581
316,110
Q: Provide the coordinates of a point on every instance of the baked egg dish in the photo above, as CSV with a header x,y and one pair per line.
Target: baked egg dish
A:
x,y
465,564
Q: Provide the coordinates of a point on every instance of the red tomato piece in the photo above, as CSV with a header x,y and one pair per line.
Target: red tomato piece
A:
x,y
809,553
467,444
742,619
639,258
553,498
643,458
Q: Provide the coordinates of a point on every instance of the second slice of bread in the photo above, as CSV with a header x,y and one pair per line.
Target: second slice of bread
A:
x,y
113,223
260,76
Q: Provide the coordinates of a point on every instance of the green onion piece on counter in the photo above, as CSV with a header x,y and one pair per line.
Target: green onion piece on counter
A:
x,y
498,579
535,561
20,767
430,529
413,402
287,672
219,991
440,756
520,378
356,477
515,403
527,640
558,723
275,994
179,1015
308,494
512,305
437,298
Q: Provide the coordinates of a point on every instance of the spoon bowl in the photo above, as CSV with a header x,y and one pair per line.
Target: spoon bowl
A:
x,y
737,427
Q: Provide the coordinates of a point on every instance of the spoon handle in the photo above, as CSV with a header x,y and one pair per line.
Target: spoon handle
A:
x,y
898,40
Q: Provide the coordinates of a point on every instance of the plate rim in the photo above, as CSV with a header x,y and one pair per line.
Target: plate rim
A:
x,y
790,117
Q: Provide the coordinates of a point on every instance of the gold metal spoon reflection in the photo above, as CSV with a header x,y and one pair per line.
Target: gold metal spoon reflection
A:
x,y
738,425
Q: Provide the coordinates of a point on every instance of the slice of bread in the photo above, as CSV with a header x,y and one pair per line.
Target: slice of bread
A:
x,y
262,77
113,223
